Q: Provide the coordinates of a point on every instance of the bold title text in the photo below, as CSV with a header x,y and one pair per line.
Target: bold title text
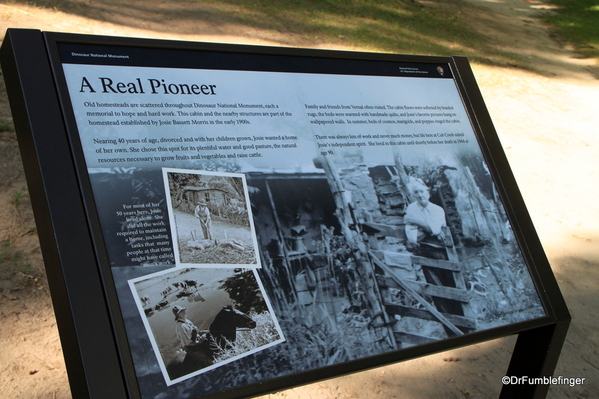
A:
x,y
152,86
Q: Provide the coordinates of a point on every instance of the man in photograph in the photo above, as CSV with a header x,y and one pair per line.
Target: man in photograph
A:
x,y
203,213
425,221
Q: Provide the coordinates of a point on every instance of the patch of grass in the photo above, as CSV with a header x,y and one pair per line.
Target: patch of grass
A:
x,y
17,197
6,249
27,269
396,26
577,21
6,126
17,259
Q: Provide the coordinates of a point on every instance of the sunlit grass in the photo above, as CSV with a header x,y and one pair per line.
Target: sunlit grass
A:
x,y
577,21
431,27
405,27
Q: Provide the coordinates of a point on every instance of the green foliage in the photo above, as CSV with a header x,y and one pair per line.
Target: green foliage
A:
x,y
6,126
27,269
396,26
6,249
17,197
16,259
577,21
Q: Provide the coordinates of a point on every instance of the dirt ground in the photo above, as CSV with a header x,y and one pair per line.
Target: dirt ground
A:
x,y
548,125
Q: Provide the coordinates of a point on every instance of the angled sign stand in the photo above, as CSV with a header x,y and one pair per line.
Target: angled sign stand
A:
x,y
227,221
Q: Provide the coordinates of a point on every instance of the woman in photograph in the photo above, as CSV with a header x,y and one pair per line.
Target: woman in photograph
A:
x,y
203,213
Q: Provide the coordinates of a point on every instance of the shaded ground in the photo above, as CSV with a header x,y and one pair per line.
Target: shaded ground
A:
x,y
546,121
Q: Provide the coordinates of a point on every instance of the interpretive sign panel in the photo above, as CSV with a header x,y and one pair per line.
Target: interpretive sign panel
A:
x,y
252,218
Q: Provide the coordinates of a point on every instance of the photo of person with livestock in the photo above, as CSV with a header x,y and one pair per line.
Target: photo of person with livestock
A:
x,y
208,318
186,331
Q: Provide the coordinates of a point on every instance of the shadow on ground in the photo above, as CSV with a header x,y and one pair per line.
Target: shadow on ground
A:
x,y
503,33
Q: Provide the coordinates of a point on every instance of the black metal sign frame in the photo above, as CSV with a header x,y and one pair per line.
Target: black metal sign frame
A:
x,y
100,120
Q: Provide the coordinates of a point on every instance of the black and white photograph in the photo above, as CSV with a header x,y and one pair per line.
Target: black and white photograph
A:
x,y
393,254
211,221
199,319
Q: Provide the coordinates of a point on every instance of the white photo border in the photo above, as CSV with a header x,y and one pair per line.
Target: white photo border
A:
x,y
173,223
200,270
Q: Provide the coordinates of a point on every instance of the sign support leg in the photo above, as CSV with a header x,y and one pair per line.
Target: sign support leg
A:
x,y
535,355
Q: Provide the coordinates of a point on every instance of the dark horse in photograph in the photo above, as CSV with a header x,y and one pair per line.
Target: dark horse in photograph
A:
x,y
221,334
223,329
